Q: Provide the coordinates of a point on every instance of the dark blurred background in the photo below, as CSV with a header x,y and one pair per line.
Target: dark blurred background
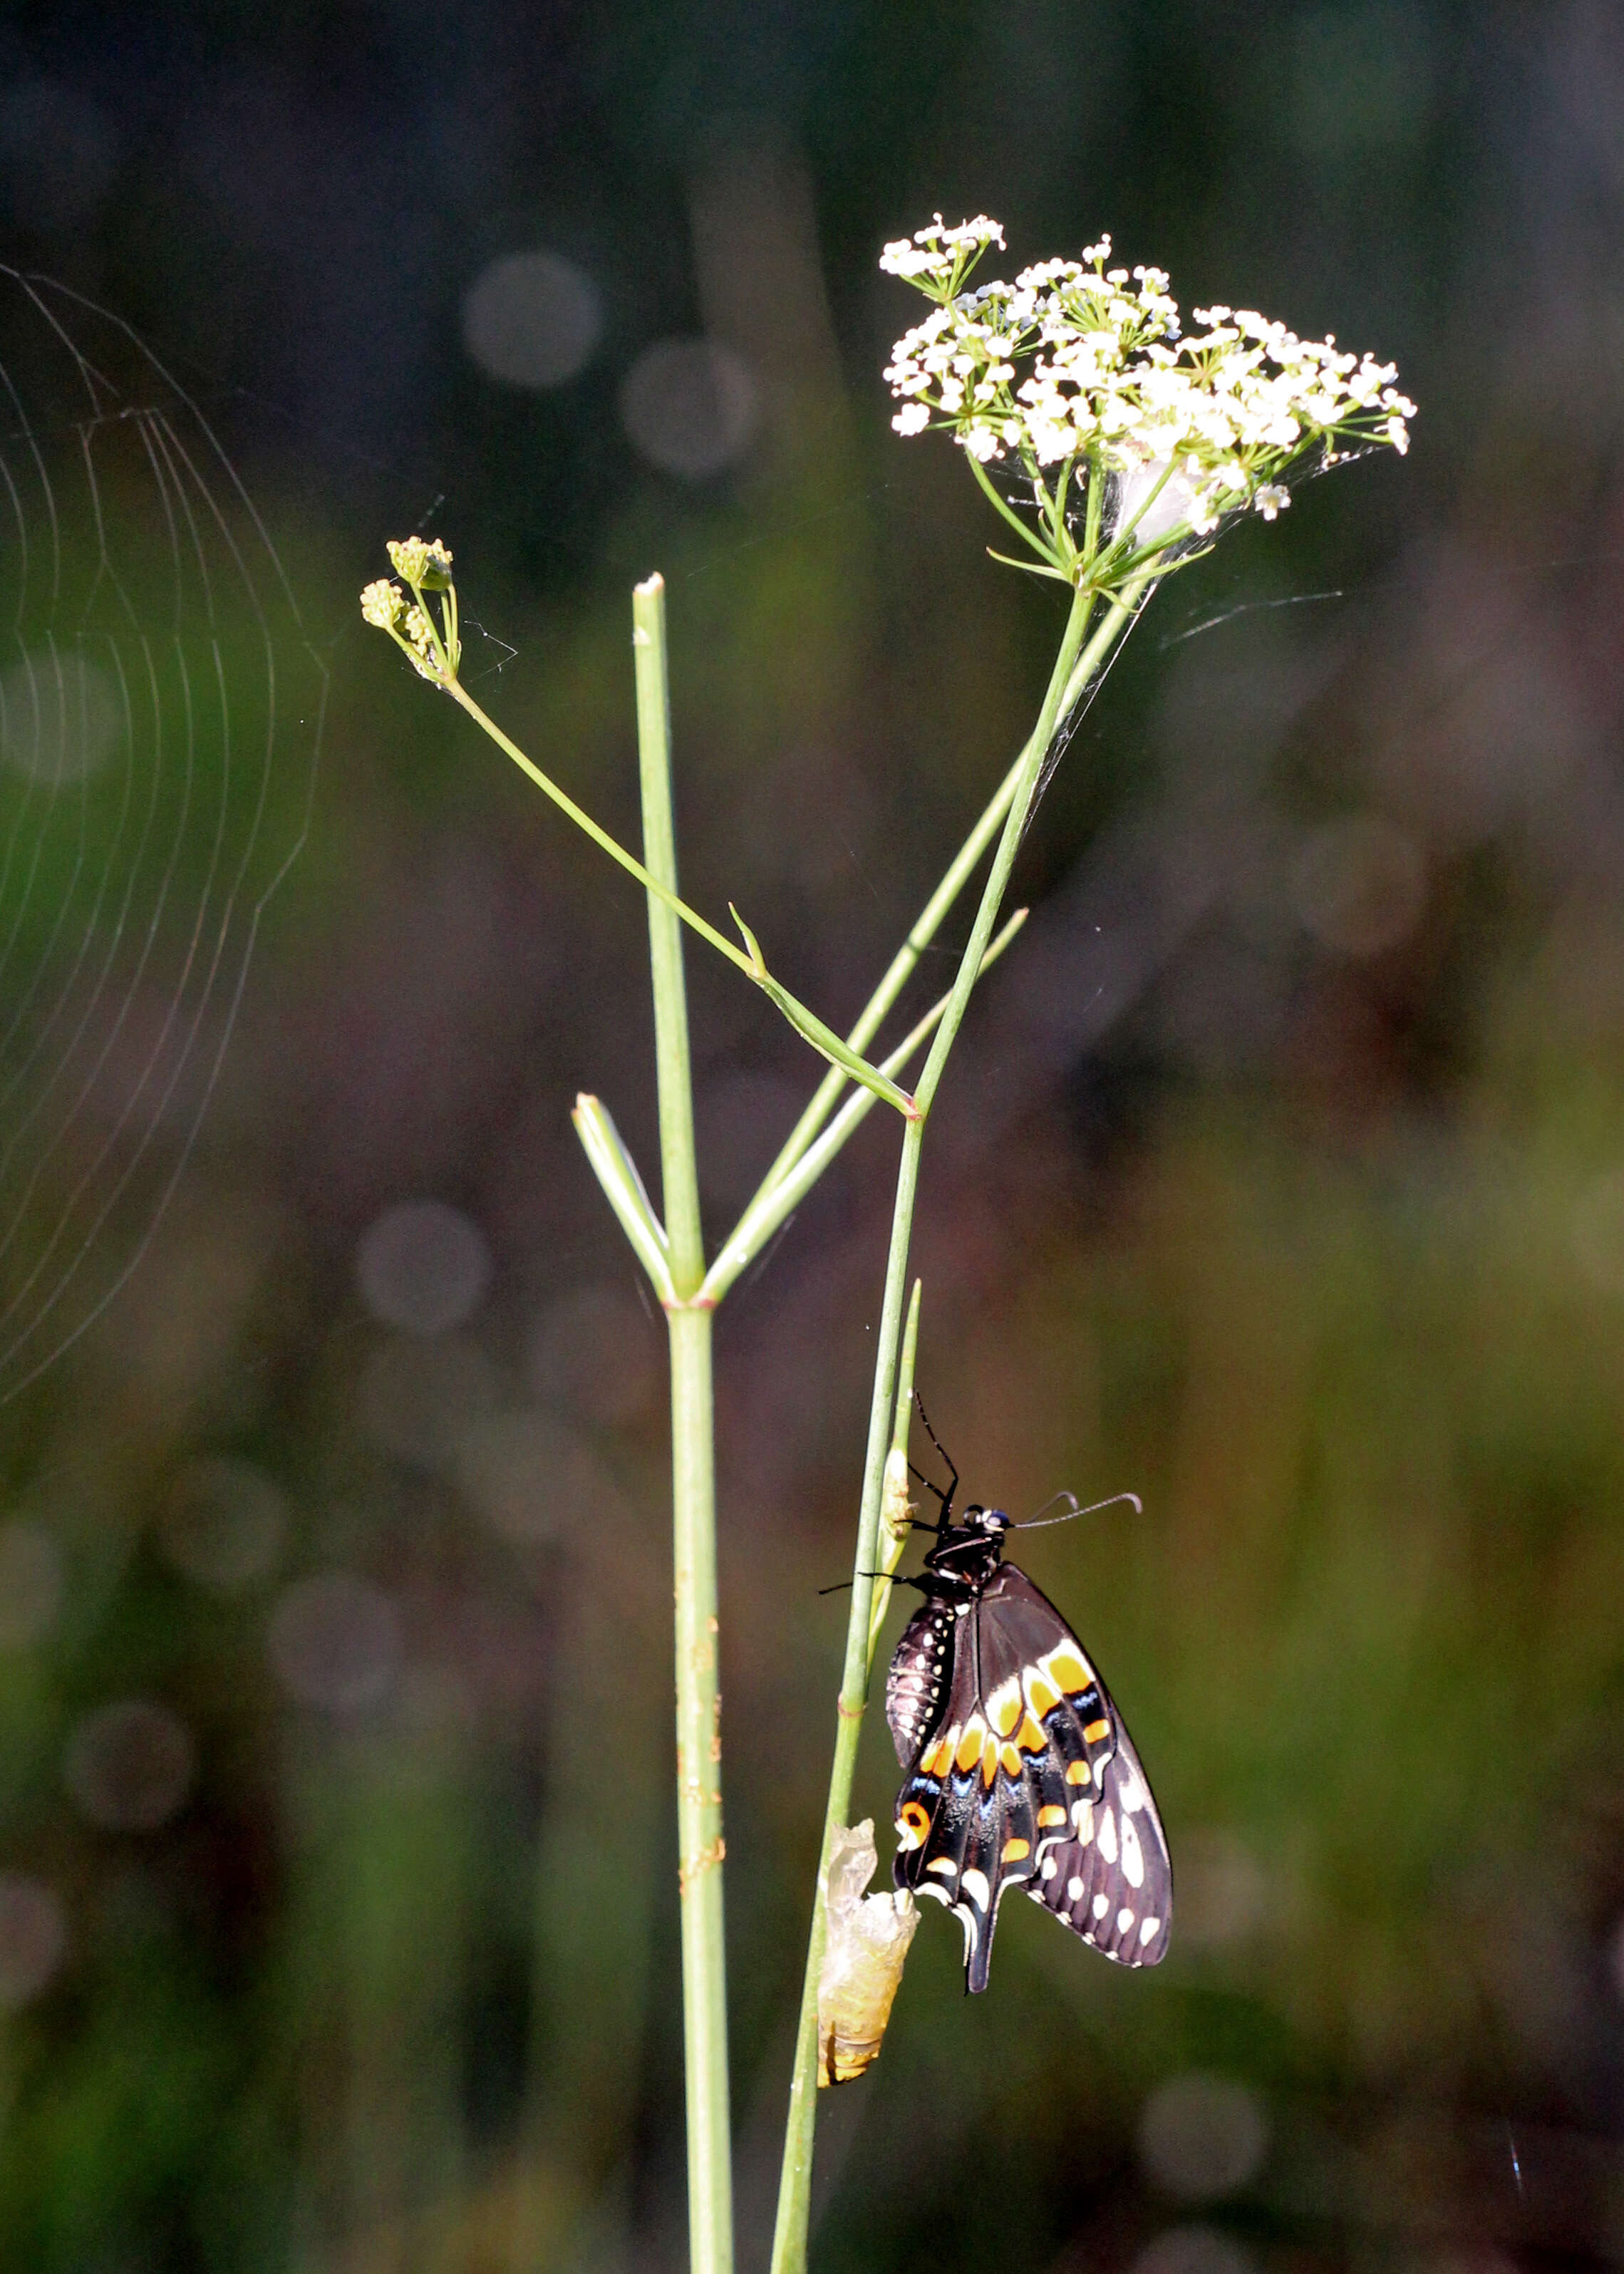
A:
x,y
1279,1176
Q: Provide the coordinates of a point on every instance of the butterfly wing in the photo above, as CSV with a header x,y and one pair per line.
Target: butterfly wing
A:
x,y
1012,1769
1112,1881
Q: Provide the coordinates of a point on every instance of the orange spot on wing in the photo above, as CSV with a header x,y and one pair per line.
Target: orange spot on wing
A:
x,y
912,1823
1041,1695
1078,1772
970,1744
1010,1760
1014,1851
989,1758
1096,1731
1030,1737
1004,1706
1052,1814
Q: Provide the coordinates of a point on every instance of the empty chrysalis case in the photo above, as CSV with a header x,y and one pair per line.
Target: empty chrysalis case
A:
x,y
868,1941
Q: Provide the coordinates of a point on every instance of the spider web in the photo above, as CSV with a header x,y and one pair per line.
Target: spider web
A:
x,y
161,716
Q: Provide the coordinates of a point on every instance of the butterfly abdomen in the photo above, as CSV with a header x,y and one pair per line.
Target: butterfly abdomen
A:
x,y
916,1687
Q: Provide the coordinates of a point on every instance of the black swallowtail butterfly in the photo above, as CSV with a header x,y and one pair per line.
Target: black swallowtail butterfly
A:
x,y
1020,1773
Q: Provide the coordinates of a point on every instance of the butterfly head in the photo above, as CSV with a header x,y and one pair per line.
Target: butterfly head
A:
x,y
970,1549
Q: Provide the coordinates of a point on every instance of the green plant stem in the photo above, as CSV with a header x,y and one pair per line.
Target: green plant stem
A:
x,y
901,969
806,1022
789,2241
1073,670
623,1187
1048,553
693,1480
774,1202
928,922
1074,666
896,1508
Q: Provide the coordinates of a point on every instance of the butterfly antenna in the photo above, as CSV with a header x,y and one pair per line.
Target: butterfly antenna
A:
x,y
946,1498
1040,1521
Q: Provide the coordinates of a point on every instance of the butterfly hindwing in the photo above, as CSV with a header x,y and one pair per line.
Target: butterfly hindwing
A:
x,y
1011,1767
1112,1881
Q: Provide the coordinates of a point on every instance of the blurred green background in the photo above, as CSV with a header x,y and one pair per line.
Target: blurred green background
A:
x,y
1279,1176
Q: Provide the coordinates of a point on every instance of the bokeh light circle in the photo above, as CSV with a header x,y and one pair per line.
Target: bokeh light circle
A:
x,y
224,1526
335,1642
61,718
424,1267
1202,2136
533,1478
130,1766
30,1582
419,1399
1222,1888
691,407
532,319
33,1939
1194,2250
1359,883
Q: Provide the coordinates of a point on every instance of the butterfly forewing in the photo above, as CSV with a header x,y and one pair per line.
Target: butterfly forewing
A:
x,y
1015,1769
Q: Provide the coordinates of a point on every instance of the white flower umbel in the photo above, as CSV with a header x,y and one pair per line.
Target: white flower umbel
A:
x,y
1130,436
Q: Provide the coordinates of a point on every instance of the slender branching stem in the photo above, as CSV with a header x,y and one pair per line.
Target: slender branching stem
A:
x,y
1070,679
748,958
926,925
699,1704
899,971
1022,528
1074,666
777,1201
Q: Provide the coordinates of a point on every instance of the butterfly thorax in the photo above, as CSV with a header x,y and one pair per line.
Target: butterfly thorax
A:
x,y
966,1555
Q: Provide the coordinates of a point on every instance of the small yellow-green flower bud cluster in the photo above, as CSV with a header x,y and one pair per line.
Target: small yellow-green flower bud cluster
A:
x,y
1084,369
422,561
432,649
381,603
418,633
